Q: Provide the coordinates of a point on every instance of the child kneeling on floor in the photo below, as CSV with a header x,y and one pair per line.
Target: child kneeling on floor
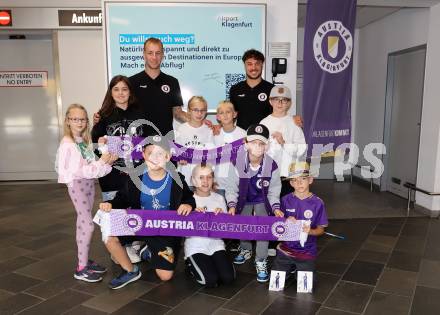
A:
x,y
301,205
159,192
206,257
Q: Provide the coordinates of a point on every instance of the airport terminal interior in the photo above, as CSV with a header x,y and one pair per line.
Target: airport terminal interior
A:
x,y
386,259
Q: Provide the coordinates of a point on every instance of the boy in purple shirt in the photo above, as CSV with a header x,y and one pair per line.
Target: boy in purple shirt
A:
x,y
301,205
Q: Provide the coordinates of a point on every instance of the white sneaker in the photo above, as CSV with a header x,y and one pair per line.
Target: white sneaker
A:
x,y
272,252
133,254
262,274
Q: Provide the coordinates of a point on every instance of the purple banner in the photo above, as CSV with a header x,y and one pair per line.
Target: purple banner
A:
x,y
168,223
132,146
328,53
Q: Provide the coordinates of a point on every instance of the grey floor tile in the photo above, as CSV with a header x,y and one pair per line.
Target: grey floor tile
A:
x,y
82,310
397,281
59,264
323,285
404,261
180,287
14,264
228,291
349,297
333,267
44,241
17,303
48,289
429,274
222,311
112,300
16,283
387,229
385,303
426,301
58,304
372,256
380,243
286,305
363,272
198,304
5,295
10,252
342,252
138,307
329,311
257,293
410,244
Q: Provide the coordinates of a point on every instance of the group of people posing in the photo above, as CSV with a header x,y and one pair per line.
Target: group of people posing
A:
x,y
257,182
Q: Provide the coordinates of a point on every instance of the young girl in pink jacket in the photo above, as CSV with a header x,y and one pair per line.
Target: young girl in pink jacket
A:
x,y
77,167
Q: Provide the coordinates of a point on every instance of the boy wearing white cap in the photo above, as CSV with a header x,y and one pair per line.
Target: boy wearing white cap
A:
x,y
286,142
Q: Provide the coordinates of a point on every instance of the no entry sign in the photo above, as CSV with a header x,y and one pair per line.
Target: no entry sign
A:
x,y
5,18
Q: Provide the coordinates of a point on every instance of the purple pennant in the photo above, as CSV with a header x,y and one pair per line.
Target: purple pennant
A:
x,y
328,60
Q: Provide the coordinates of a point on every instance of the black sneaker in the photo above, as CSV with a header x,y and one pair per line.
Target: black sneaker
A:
x,y
95,267
125,278
86,274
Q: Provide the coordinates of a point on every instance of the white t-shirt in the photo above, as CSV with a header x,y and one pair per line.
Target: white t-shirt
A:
x,y
295,143
221,170
227,137
206,245
197,138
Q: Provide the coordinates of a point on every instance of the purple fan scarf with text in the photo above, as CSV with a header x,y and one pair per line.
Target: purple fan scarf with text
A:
x,y
132,146
328,60
120,222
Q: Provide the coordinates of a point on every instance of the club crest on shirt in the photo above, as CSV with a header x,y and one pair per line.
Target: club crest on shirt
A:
x,y
262,183
262,97
165,88
308,214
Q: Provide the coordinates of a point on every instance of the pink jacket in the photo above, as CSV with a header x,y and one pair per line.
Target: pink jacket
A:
x,y
71,165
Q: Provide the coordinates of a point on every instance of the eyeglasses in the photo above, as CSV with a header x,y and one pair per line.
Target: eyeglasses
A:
x,y
77,120
200,111
281,100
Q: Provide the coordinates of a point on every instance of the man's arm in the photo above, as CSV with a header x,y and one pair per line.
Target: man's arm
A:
x,y
179,114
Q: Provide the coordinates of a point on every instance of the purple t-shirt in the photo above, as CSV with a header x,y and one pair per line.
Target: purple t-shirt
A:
x,y
311,208
254,194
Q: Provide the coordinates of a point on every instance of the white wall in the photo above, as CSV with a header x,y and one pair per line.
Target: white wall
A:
x,y
82,61
82,68
428,176
404,29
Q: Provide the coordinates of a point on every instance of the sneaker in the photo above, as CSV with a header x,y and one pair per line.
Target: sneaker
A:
x,y
133,254
262,274
87,275
272,252
243,255
95,267
125,278
145,253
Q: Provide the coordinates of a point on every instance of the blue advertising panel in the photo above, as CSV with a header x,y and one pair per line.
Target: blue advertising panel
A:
x,y
203,42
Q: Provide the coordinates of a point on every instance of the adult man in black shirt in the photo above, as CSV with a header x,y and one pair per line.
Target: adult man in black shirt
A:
x,y
157,93
251,96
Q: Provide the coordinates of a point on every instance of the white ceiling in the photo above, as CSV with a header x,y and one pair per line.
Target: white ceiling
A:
x,y
369,11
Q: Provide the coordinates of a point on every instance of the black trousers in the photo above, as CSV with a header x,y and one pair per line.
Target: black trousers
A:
x,y
210,270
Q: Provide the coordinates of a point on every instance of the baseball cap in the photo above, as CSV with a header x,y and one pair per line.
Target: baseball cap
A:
x,y
280,91
257,132
157,139
298,169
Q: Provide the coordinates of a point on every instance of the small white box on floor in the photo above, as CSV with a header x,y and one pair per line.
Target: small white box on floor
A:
x,y
277,280
304,282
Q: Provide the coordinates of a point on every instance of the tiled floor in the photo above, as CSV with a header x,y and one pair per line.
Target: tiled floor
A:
x,y
388,264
